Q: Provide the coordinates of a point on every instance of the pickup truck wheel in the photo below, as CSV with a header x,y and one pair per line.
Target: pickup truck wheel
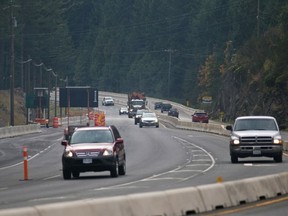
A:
x,y
278,158
234,159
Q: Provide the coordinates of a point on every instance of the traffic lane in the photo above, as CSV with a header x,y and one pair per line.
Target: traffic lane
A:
x,y
145,157
218,146
11,148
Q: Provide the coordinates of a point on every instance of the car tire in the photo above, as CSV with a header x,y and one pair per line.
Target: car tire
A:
x,y
140,125
135,122
157,126
122,168
66,174
278,158
234,159
76,174
114,172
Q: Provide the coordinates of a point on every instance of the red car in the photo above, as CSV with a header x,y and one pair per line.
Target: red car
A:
x,y
94,149
200,117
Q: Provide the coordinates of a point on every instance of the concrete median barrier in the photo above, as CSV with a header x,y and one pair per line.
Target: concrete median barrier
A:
x,y
27,211
214,196
119,206
154,203
185,201
73,208
19,130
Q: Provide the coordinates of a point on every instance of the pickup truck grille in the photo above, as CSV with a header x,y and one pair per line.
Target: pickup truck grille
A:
x,y
256,140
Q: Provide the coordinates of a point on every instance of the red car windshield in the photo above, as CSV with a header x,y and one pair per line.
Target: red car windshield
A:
x,y
92,136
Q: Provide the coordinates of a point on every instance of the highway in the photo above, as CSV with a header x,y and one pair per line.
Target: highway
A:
x,y
157,159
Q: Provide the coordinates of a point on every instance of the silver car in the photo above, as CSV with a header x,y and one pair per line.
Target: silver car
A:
x,y
149,119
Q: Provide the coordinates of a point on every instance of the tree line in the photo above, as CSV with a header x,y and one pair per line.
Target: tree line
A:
x,y
233,51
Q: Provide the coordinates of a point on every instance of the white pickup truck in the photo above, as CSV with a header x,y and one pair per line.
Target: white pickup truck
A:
x,y
255,136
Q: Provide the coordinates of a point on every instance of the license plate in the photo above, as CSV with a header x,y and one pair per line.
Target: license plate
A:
x,y
256,152
87,160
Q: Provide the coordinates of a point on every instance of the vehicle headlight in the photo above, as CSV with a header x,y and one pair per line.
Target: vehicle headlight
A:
x,y
235,140
107,152
277,140
68,153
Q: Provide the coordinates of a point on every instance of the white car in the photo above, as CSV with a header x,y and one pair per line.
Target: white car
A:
x,y
149,119
123,110
108,101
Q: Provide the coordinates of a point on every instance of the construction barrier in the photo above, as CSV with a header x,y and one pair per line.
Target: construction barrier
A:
x,y
100,119
55,122
25,162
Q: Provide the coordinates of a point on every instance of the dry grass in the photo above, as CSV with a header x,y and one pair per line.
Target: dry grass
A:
x,y
19,108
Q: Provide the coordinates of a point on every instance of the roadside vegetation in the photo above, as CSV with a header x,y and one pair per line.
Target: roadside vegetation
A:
x,y
232,51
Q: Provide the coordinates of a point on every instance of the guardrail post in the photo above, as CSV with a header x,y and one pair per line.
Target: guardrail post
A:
x,y
25,162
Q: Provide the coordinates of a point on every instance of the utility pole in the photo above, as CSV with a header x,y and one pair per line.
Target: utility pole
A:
x,y
12,61
258,18
12,24
170,51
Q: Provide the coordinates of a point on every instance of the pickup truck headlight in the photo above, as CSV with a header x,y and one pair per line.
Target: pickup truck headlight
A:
x,y
277,141
235,141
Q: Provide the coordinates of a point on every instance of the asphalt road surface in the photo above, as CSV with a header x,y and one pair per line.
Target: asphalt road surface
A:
x,y
157,159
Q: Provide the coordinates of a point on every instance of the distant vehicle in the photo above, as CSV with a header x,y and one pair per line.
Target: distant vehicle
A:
x,y
108,101
149,119
255,136
123,110
139,115
136,100
173,112
165,107
94,149
157,105
200,117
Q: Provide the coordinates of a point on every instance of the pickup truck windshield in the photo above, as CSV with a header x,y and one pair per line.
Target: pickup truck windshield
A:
x,y
255,124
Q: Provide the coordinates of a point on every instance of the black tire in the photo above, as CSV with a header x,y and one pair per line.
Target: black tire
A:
x,y
140,125
135,122
278,158
76,174
157,126
114,172
234,159
66,174
122,168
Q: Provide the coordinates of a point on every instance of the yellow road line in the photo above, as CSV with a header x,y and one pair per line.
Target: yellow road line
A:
x,y
251,206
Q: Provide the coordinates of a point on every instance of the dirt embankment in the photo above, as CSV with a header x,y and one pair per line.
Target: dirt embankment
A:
x,y
19,108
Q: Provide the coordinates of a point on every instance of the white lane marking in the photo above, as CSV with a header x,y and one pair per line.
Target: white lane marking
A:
x,y
211,157
30,157
4,188
259,165
51,177
157,177
47,199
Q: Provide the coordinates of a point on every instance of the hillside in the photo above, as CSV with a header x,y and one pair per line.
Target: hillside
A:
x,y
19,108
